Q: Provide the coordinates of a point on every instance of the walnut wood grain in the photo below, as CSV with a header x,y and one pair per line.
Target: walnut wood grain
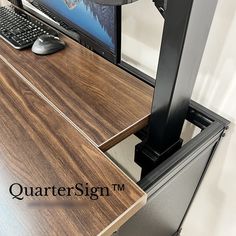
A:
x,y
38,147
104,101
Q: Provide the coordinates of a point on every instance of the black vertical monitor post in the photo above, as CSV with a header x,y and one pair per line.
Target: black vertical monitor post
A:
x,y
95,26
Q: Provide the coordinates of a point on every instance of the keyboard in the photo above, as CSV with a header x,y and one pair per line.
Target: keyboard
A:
x,y
20,30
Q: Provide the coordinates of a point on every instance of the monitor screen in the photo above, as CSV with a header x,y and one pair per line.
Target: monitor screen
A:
x,y
97,21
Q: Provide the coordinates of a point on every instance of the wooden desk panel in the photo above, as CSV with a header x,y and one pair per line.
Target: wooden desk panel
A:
x,y
38,147
105,102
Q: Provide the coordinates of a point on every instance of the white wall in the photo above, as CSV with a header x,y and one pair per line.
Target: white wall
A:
x,y
141,30
214,211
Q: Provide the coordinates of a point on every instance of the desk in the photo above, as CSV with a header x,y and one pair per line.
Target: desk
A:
x,y
38,147
51,133
57,114
100,99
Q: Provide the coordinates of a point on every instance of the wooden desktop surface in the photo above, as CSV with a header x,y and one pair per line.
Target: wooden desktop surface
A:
x,y
39,147
57,113
100,99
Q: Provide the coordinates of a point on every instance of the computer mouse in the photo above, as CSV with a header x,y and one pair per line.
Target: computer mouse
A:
x,y
47,44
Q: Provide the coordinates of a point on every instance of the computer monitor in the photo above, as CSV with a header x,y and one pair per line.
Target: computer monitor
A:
x,y
96,26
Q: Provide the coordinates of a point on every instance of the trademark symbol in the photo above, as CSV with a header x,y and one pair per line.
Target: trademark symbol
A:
x,y
118,187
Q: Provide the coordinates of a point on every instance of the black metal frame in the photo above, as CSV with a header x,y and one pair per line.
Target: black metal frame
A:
x,y
210,124
174,183
186,28
213,128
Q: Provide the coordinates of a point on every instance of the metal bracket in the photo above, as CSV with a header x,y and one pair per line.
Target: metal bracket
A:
x,y
148,158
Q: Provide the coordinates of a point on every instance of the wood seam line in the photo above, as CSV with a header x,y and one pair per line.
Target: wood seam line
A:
x,y
40,94
63,114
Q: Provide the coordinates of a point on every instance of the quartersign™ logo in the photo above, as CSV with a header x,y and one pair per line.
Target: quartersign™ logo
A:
x,y
20,192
